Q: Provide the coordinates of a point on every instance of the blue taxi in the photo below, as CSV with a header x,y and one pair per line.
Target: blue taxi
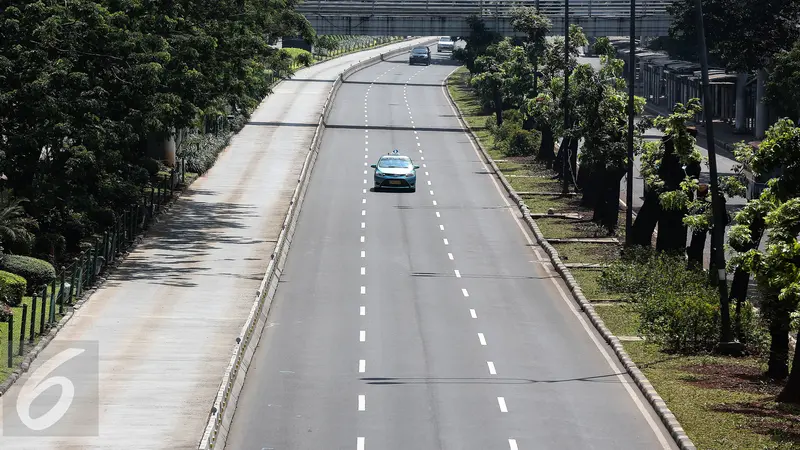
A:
x,y
395,171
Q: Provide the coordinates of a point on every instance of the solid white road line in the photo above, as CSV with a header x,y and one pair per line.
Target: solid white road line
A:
x,y
473,314
362,366
492,370
464,291
458,274
512,444
362,311
362,402
362,336
450,255
363,290
502,402
481,338
360,443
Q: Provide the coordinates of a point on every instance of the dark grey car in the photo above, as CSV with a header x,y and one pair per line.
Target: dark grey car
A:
x,y
420,55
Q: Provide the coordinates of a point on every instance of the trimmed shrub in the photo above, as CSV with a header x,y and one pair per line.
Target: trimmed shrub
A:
x,y
12,288
305,59
523,143
35,271
5,312
201,150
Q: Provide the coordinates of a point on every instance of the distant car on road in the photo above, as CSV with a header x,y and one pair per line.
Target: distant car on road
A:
x,y
445,43
395,171
420,55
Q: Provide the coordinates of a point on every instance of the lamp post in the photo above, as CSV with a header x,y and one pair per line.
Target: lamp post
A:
x,y
565,153
631,81
717,205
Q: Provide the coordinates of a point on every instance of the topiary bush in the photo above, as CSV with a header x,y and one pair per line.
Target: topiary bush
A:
x,y
36,272
12,288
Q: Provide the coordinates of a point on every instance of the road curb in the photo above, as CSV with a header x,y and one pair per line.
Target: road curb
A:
x,y
223,409
667,417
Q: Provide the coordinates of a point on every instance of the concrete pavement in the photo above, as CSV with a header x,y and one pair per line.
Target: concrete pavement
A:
x,y
166,320
425,320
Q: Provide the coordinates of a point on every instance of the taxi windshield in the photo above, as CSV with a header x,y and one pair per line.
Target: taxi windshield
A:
x,y
420,51
394,163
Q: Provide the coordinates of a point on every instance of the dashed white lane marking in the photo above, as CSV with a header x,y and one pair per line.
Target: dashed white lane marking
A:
x,y
512,444
363,254
362,310
424,167
429,182
458,274
441,227
420,150
426,174
418,144
362,336
363,200
362,366
363,224
365,172
653,426
481,338
492,370
502,402
366,156
363,290
363,271
422,158
363,212
362,238
360,443
473,314
446,242
450,255
464,291
431,192
434,203
365,181
362,402
437,214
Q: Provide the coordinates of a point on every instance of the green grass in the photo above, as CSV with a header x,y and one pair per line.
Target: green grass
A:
x,y
723,403
570,228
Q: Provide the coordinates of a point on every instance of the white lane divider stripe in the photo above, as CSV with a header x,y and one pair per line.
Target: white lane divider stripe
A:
x,y
464,291
362,238
362,336
438,215
446,241
362,402
363,200
502,402
434,203
363,254
458,274
473,314
362,311
363,271
450,255
441,227
363,290
431,191
363,224
364,191
492,370
512,444
360,443
481,338
362,366
363,212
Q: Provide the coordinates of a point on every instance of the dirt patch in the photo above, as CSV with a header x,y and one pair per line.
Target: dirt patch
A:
x,y
732,377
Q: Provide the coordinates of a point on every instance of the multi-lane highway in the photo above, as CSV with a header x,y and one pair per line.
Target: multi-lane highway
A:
x,y
425,320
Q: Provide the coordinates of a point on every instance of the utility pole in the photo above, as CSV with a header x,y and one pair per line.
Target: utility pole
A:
x,y
631,81
717,205
565,153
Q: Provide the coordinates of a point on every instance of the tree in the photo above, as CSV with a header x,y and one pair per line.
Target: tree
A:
x,y
15,225
777,269
536,28
783,86
478,40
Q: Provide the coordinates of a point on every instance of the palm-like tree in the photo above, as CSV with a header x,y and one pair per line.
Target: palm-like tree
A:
x,y
15,224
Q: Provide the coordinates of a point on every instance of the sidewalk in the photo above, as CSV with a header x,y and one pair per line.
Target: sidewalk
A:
x,y
167,319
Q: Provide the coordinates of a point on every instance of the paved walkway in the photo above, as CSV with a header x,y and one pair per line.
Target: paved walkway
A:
x,y
166,321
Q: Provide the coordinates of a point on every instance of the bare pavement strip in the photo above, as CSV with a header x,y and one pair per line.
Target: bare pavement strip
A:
x,y
166,320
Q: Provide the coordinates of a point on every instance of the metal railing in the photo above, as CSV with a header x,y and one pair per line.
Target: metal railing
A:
x,y
483,8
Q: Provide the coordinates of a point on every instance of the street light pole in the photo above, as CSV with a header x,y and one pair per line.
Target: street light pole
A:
x,y
631,81
565,145
717,204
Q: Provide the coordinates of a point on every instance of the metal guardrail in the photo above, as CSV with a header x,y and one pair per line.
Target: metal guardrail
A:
x,y
482,8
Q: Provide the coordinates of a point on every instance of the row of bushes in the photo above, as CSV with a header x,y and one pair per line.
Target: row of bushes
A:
x,y
678,308
511,138
20,276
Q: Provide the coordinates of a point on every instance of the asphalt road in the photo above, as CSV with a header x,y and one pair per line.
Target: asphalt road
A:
x,y
425,320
